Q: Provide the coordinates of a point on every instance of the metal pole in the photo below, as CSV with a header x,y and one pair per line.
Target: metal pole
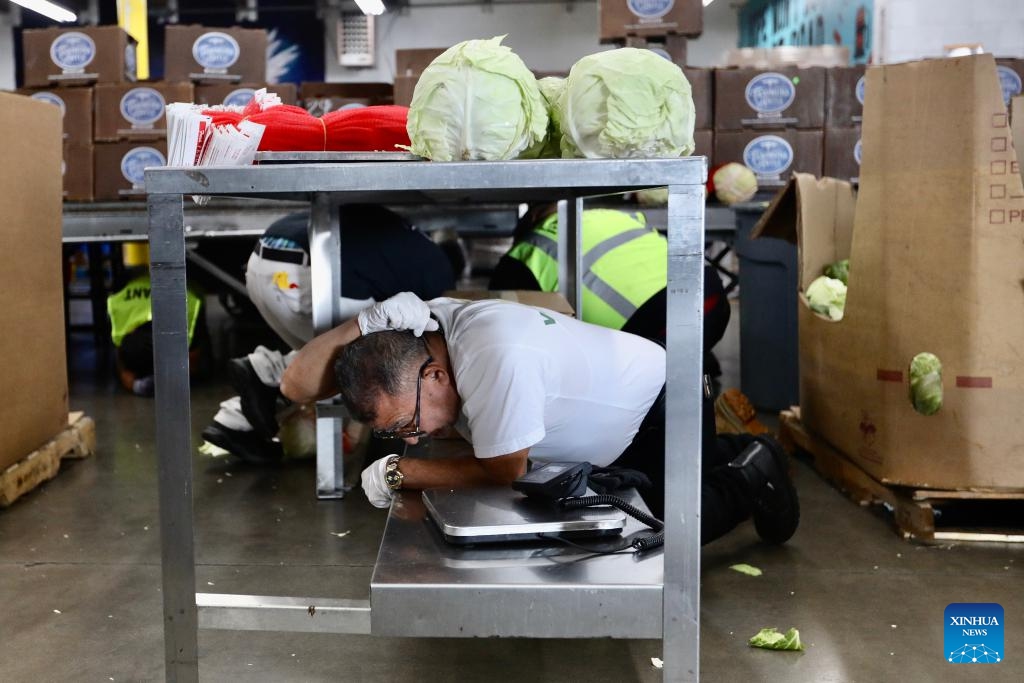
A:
x,y
684,393
570,253
325,272
173,435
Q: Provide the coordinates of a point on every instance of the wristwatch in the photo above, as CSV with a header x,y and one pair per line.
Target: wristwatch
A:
x,y
392,475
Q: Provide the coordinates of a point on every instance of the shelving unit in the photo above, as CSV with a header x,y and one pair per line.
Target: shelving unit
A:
x,y
673,575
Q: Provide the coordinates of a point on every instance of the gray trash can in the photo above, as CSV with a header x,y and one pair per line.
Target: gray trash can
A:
x,y
769,356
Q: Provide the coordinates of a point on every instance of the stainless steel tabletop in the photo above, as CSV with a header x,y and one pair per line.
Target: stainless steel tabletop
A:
x,y
424,586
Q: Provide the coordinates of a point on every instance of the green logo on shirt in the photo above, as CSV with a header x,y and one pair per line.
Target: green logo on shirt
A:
x,y
548,320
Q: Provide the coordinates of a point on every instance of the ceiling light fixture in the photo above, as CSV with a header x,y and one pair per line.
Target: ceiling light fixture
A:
x,y
48,9
374,7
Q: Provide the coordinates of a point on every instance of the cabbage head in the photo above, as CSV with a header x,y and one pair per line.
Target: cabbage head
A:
x,y
551,89
477,100
827,296
926,383
626,103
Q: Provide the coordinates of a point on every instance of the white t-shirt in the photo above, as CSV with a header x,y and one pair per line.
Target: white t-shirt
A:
x,y
532,378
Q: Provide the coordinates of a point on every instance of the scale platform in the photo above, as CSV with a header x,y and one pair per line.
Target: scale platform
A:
x,y
499,514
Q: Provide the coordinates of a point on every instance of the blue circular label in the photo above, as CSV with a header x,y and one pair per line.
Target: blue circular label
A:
x,y
857,152
51,99
137,160
859,89
650,9
1009,81
768,155
770,93
142,106
73,51
239,97
215,50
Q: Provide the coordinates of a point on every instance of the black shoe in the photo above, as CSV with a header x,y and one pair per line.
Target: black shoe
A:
x,y
763,465
259,402
246,445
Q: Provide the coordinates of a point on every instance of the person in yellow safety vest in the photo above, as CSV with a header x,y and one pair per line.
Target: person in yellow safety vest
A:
x,y
624,274
131,330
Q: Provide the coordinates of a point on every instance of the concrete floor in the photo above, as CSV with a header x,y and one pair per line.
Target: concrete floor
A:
x,y
80,580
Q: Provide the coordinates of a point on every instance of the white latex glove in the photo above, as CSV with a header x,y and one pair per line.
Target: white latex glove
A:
x,y
376,490
403,311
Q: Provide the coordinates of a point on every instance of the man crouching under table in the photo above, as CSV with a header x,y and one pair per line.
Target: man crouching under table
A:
x,y
524,383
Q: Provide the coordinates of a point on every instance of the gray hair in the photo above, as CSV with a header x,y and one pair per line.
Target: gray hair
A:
x,y
377,364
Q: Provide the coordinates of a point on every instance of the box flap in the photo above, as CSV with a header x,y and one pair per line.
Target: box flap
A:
x,y
816,214
1017,128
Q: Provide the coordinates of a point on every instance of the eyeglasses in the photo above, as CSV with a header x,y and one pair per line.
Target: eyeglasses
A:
x,y
410,431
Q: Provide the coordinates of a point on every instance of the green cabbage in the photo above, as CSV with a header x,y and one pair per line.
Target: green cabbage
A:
x,y
771,639
840,270
926,383
551,89
477,100
626,103
827,296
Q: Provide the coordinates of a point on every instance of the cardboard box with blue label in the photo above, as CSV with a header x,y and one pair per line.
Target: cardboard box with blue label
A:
x,y
620,19
77,56
1011,78
75,106
773,155
120,167
226,55
241,94
786,97
77,168
843,149
136,111
844,96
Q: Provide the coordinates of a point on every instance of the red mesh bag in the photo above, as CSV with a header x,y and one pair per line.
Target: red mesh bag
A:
x,y
367,129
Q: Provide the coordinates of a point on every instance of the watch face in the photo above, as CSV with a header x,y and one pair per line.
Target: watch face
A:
x,y
393,478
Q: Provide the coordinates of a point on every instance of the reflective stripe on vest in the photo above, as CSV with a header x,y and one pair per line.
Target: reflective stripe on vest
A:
x,y
539,252
132,307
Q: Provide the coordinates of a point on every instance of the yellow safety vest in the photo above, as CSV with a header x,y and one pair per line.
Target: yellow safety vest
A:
x,y
625,263
131,308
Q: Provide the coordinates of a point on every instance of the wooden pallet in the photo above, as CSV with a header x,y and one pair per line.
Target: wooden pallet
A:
x,y
915,510
78,440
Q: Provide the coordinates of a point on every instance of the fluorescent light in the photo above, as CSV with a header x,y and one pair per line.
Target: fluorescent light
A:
x,y
48,9
708,2
374,7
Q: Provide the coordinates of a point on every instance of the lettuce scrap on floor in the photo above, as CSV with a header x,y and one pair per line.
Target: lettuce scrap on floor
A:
x,y
771,639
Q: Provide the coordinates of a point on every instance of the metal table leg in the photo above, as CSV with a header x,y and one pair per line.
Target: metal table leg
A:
x,y
173,435
684,392
325,266
570,253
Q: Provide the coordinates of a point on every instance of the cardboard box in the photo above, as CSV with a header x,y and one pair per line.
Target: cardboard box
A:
x,y
321,98
844,97
241,94
197,53
620,19
553,301
75,105
1011,77
703,143
77,168
405,87
703,96
33,370
1017,121
671,47
84,54
773,155
789,97
936,266
843,153
136,111
120,165
413,62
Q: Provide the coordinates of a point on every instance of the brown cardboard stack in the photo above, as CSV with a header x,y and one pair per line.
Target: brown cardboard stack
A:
x,y
232,55
76,106
770,121
240,94
321,98
33,372
621,19
120,166
409,64
844,105
936,250
84,54
135,111
703,104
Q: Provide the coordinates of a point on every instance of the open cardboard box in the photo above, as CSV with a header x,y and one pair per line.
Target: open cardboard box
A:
x,y
936,248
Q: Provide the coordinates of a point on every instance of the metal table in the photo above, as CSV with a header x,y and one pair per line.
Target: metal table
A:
x,y
326,186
